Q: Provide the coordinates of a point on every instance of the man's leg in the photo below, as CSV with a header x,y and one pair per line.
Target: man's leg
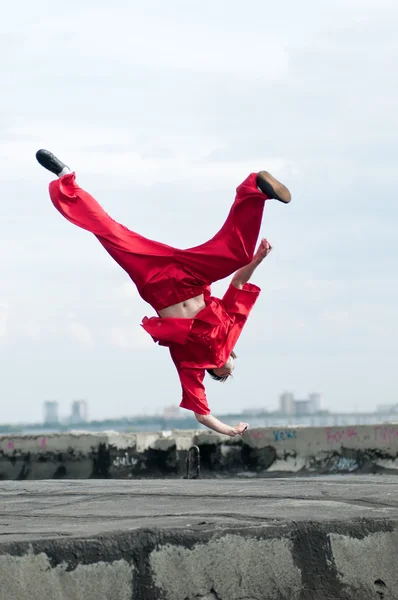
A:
x,y
140,257
234,245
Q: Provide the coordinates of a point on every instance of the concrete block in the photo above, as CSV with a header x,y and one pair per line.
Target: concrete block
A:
x,y
232,567
32,577
367,566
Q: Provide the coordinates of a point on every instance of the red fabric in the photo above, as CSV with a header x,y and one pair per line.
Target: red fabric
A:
x,y
204,342
165,275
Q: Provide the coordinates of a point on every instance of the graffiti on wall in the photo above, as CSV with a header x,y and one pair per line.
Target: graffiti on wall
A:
x,y
340,435
275,435
385,434
11,445
125,461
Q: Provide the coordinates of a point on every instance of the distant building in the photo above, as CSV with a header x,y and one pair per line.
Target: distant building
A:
x,y
303,407
387,408
287,403
172,412
51,412
315,402
79,412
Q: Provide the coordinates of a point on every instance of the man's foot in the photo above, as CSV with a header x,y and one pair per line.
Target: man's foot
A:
x,y
272,188
52,163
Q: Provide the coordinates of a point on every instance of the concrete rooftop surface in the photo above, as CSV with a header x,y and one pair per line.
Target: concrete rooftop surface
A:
x,y
46,509
318,538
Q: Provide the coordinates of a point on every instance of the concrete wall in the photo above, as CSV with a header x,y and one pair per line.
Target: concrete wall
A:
x,y
299,561
269,451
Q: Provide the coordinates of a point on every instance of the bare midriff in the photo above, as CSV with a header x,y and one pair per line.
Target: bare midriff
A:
x,y
188,309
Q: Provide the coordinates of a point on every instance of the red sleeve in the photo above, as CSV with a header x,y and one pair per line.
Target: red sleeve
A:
x,y
240,302
193,390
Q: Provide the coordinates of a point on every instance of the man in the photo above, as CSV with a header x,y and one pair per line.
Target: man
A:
x,y
200,331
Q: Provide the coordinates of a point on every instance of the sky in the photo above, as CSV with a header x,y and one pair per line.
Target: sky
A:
x,y
162,109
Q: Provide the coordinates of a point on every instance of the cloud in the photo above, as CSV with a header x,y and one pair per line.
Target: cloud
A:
x,y
130,338
4,314
128,312
82,334
29,329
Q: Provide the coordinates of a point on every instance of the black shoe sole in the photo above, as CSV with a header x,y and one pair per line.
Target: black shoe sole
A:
x,y
50,162
273,188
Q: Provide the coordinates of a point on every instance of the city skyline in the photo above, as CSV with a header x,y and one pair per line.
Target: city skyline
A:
x,y
79,410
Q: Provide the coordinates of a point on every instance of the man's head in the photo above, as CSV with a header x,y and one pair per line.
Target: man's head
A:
x,y
222,373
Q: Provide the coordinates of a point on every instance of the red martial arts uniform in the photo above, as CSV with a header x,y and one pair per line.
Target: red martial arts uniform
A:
x,y
165,276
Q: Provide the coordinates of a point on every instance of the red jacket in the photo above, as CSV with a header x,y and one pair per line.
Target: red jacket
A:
x,y
204,342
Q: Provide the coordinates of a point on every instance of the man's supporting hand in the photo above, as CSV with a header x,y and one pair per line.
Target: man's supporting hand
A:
x,y
213,423
239,429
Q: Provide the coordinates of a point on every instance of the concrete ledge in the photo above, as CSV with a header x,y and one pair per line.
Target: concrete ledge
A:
x,y
267,451
334,538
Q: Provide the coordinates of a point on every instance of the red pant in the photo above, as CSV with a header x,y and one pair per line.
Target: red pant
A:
x,y
165,275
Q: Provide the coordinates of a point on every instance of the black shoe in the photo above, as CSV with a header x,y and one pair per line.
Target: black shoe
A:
x,y
50,162
272,188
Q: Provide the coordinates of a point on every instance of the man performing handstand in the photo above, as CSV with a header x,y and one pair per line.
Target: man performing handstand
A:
x,y
200,331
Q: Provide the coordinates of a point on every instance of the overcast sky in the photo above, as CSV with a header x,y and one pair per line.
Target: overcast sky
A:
x,y
163,108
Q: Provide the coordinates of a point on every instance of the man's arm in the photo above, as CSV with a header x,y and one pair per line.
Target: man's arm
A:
x,y
194,398
244,274
213,423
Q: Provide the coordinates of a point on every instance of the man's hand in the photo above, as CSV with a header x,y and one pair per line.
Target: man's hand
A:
x,y
216,425
239,429
244,274
262,251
